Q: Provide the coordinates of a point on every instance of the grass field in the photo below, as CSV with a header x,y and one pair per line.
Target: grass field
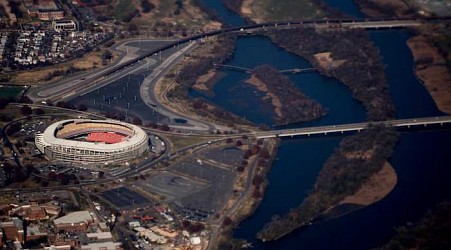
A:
x,y
179,142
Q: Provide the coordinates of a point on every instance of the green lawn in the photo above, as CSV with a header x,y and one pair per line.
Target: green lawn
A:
x,y
10,91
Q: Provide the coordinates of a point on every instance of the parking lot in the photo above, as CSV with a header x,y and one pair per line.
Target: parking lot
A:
x,y
231,156
172,186
123,197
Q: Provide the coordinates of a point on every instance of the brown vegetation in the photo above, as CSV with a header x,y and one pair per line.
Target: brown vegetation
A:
x,y
377,187
296,107
431,67
362,69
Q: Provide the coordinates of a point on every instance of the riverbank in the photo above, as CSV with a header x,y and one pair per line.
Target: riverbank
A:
x,y
376,188
197,71
253,185
431,69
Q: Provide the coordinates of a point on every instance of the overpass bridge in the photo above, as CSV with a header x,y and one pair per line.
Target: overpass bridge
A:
x,y
353,127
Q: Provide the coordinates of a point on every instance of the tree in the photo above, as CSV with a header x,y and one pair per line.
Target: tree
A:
x,y
147,6
25,110
164,127
38,111
264,153
227,221
82,107
255,149
137,121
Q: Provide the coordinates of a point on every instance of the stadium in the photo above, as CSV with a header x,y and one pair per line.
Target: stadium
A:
x,y
92,141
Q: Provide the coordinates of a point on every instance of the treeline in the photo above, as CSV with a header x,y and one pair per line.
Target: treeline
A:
x,y
295,105
356,159
432,232
362,72
147,6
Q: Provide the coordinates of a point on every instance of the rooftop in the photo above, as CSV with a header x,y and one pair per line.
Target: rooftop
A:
x,y
75,217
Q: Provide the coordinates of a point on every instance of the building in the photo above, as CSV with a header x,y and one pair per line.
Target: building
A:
x,y
102,246
45,10
1,239
62,241
99,237
35,212
74,222
66,141
13,230
64,25
34,233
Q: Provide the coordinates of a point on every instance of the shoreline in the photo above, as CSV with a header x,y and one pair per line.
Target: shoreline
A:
x,y
431,71
377,187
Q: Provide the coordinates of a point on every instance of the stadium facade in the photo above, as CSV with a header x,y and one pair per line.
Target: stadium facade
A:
x,y
96,142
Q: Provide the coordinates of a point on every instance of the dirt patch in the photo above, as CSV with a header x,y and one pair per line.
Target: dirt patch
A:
x,y
261,86
246,7
432,71
376,188
40,76
326,61
206,82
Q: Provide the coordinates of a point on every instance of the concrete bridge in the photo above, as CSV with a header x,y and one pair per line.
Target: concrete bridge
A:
x,y
354,127
248,70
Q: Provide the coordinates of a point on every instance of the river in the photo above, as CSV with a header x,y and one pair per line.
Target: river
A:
x,y
420,158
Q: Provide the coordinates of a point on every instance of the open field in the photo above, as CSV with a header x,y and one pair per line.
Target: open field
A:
x,y
277,10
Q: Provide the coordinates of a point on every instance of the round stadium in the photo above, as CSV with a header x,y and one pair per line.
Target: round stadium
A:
x,y
92,141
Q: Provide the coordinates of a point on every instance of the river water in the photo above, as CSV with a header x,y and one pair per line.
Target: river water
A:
x,y
420,158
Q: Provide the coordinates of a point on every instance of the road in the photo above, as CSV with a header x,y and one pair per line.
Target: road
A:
x,y
66,86
147,92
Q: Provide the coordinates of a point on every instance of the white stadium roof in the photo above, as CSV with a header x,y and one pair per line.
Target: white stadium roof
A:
x,y
138,136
